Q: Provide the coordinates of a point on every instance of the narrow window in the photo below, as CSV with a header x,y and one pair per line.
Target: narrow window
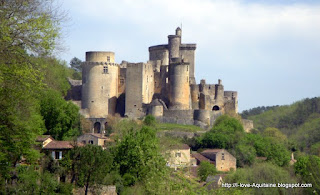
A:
x,y
121,81
187,68
91,142
222,156
105,70
108,58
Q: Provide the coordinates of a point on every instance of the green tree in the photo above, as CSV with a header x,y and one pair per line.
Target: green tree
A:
x,y
137,155
263,173
75,64
308,167
275,133
26,27
226,133
206,169
90,165
61,117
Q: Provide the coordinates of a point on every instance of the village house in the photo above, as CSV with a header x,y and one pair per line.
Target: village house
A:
x,y
57,149
221,158
95,139
179,156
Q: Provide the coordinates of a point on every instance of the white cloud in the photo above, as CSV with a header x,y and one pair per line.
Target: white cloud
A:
x,y
247,37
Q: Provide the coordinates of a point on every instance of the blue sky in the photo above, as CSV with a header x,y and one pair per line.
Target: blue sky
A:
x,y
268,51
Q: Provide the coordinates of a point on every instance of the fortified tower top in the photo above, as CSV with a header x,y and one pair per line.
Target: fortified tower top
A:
x,y
178,31
100,56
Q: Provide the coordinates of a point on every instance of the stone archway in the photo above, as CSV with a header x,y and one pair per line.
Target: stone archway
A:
x,y
97,127
215,108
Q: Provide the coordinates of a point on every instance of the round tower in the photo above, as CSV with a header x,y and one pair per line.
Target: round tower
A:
x,y
219,94
174,42
179,88
179,31
99,84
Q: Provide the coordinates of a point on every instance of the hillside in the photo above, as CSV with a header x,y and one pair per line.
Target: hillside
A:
x,y
300,122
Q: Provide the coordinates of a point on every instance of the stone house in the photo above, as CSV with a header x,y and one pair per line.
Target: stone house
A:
x,y
179,156
57,149
221,158
95,139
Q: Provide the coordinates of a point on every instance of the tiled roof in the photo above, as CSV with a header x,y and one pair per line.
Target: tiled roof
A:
x,y
199,157
58,145
100,136
42,138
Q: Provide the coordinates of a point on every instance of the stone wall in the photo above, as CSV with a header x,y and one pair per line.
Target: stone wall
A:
x,y
187,52
147,83
247,125
133,103
75,91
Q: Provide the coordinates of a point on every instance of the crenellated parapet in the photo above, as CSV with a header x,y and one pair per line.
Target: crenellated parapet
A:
x,y
100,63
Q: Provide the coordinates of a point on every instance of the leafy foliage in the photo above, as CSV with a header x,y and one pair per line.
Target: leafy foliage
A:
x,y
263,173
90,165
308,167
61,117
228,133
299,122
206,169
137,155
150,120
75,64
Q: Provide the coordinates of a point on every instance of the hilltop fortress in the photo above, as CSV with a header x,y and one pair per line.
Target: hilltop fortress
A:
x,y
164,87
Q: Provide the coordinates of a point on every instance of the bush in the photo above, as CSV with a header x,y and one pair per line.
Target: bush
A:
x,y
206,169
150,120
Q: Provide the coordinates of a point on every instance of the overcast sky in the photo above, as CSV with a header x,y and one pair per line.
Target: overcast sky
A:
x,y
267,50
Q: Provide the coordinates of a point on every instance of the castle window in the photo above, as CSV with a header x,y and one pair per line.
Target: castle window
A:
x,y
147,79
122,81
178,154
105,70
222,156
108,58
187,68
90,141
84,142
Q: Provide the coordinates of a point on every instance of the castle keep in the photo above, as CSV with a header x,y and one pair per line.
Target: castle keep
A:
x,y
164,86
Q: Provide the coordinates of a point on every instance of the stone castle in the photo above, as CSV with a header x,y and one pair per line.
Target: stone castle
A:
x,y
164,87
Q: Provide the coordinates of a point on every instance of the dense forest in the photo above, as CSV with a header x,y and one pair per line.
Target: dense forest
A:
x,y
300,122
34,82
